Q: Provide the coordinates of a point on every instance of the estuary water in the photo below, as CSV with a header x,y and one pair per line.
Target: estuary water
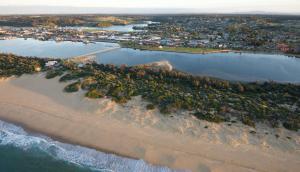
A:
x,y
230,66
245,67
64,49
117,28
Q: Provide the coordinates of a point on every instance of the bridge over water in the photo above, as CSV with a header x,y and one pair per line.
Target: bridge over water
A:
x,y
91,56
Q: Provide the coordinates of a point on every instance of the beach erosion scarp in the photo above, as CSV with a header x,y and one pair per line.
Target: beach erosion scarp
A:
x,y
179,142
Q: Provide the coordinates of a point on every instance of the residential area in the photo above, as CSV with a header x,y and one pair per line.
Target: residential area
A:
x,y
274,34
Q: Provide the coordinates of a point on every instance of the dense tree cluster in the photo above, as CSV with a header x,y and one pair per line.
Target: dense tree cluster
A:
x,y
16,65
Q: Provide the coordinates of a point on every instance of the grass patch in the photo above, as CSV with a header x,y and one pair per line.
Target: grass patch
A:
x,y
172,49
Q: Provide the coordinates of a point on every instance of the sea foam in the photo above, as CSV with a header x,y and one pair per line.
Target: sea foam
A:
x,y
12,135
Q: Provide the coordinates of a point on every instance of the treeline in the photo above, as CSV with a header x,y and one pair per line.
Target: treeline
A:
x,y
51,21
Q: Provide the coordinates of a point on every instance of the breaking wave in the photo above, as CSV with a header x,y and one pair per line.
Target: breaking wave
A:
x,y
12,135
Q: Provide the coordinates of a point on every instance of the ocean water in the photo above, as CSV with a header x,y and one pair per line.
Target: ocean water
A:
x,y
21,151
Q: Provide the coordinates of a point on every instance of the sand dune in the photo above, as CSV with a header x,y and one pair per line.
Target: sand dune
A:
x,y
159,65
179,142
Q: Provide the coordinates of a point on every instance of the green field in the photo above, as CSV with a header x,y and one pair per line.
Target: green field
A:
x,y
174,49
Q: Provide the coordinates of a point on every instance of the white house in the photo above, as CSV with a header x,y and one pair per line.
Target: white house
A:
x,y
51,63
80,65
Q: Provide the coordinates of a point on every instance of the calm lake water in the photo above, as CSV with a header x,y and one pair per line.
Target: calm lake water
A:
x,y
121,28
231,66
65,49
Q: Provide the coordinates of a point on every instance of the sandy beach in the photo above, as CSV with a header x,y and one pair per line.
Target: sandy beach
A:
x,y
178,141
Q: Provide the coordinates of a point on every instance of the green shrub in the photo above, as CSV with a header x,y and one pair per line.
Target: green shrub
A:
x,y
94,94
66,77
53,73
165,110
209,117
150,106
248,121
291,125
120,99
88,83
74,87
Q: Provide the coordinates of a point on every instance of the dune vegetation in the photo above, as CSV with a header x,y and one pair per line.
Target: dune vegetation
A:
x,y
206,98
15,65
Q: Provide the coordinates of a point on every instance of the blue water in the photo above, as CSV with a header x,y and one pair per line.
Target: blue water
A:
x,y
21,151
18,160
230,66
65,49
117,28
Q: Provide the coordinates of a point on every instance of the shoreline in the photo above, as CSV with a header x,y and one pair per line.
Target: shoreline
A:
x,y
204,53
34,131
131,131
184,52
67,153
221,51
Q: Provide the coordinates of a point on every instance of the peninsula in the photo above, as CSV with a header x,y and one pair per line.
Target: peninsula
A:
x,y
162,116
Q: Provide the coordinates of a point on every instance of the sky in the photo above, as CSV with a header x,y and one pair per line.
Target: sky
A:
x,y
284,6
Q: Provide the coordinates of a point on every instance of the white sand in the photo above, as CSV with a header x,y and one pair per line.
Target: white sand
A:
x,y
179,142
159,65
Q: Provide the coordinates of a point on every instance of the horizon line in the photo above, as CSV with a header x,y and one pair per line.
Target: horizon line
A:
x,y
67,10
